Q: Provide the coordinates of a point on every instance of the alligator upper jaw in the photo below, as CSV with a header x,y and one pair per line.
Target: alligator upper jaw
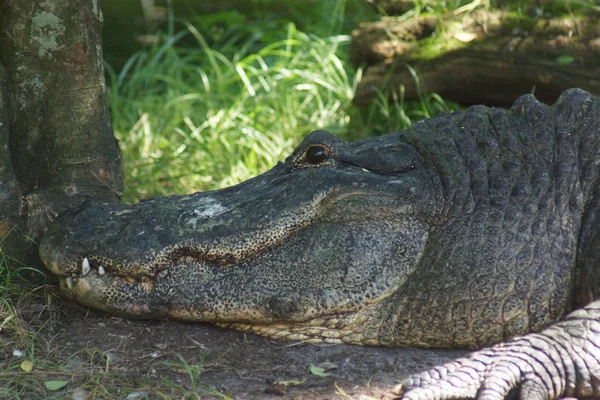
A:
x,y
194,253
221,228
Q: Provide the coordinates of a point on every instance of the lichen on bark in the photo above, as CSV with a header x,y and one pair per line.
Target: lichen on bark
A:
x,y
46,29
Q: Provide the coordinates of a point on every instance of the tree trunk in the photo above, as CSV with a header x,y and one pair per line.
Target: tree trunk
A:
x,y
57,147
492,59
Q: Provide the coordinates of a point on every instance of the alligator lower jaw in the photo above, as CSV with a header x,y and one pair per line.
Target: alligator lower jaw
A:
x,y
352,327
83,289
216,253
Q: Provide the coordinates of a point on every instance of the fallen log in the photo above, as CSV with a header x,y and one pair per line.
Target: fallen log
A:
x,y
493,58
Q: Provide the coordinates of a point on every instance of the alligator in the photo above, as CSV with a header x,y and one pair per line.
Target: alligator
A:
x,y
471,229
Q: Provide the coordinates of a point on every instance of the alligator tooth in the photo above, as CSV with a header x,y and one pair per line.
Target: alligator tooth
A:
x,y
101,270
85,267
162,274
147,284
69,283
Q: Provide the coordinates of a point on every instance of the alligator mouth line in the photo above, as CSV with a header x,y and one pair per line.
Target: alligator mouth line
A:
x,y
144,279
226,254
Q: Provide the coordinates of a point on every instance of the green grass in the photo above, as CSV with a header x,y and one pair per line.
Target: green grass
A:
x,y
196,118
18,284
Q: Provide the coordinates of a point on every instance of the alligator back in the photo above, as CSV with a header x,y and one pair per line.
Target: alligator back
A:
x,y
518,192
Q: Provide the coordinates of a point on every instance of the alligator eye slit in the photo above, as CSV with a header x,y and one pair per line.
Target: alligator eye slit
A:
x,y
316,154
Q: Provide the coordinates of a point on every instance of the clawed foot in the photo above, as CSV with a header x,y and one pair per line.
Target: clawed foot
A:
x,y
531,367
561,361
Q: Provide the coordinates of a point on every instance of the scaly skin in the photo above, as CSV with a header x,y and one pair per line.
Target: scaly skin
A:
x,y
463,231
560,361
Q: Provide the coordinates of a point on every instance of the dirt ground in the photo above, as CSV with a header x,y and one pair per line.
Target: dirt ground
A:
x,y
170,359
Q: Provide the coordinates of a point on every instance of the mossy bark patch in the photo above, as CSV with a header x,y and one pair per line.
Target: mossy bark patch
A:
x,y
46,29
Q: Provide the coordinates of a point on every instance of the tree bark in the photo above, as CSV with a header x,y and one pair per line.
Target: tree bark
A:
x,y
494,59
54,117
10,194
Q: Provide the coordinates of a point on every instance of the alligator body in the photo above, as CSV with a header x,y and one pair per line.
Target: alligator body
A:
x,y
466,230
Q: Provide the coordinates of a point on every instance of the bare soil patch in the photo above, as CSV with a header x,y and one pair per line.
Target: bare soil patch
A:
x,y
109,357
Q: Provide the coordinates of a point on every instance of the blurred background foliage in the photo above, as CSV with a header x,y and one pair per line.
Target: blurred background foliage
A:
x,y
205,94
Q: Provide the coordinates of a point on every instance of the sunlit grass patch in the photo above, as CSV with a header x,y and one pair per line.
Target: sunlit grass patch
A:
x,y
195,118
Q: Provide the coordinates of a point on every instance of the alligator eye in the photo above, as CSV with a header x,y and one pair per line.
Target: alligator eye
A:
x,y
316,154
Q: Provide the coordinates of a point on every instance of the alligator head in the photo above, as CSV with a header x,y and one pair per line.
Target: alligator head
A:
x,y
309,250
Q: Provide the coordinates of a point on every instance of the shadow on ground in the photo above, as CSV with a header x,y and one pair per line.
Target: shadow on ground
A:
x,y
105,356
